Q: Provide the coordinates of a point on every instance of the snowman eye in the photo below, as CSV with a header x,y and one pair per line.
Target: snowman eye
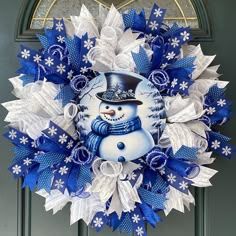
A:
x,y
107,107
119,108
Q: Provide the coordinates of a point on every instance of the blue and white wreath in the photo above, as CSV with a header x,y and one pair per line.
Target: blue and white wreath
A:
x,y
56,154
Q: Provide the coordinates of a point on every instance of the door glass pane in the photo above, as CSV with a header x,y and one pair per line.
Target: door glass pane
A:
x,y
181,11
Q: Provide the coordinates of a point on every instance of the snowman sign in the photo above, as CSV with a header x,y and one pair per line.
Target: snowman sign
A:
x,y
117,132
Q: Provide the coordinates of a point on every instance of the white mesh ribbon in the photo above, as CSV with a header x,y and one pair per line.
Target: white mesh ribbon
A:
x,y
70,111
113,45
81,208
84,23
204,76
204,158
85,208
177,200
111,181
36,106
179,135
180,109
204,176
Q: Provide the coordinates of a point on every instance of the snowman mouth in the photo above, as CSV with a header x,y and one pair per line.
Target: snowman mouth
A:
x,y
115,119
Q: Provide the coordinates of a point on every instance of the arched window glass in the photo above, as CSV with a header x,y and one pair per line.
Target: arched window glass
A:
x,y
181,11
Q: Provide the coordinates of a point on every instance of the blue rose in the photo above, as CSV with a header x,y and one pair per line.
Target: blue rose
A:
x,y
156,159
160,79
82,156
78,83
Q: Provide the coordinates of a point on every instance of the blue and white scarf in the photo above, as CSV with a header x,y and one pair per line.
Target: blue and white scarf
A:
x,y
101,129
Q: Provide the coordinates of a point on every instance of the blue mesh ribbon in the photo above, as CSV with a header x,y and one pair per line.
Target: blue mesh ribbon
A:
x,y
21,153
66,94
136,22
78,49
149,214
72,180
31,178
126,225
45,180
153,199
142,61
186,153
48,159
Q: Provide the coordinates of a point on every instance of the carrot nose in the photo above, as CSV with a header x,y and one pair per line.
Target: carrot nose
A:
x,y
110,113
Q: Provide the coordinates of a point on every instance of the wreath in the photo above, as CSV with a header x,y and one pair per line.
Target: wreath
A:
x,y
116,116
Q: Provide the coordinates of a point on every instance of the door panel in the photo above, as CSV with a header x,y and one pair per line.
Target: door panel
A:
x,y
43,222
8,65
23,214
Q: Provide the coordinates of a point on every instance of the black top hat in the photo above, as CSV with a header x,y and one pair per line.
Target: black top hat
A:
x,y
121,87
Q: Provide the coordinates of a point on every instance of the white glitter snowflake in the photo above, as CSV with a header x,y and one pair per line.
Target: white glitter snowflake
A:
x,y
131,176
226,151
139,167
62,138
37,58
63,170
162,171
183,185
61,69
183,85
59,184
136,218
83,69
33,144
59,26
163,66
70,144
12,134
215,144
158,12
211,110
16,169
221,102
139,231
85,59
170,55
27,161
175,42
171,178
49,61
60,39
88,44
98,222
23,140
149,37
68,159
185,35
25,53
52,131
174,83
70,74
153,25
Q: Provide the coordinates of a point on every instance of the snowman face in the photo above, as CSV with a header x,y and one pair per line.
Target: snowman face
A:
x,y
117,113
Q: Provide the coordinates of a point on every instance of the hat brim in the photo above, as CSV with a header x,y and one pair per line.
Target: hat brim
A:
x,y
132,100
